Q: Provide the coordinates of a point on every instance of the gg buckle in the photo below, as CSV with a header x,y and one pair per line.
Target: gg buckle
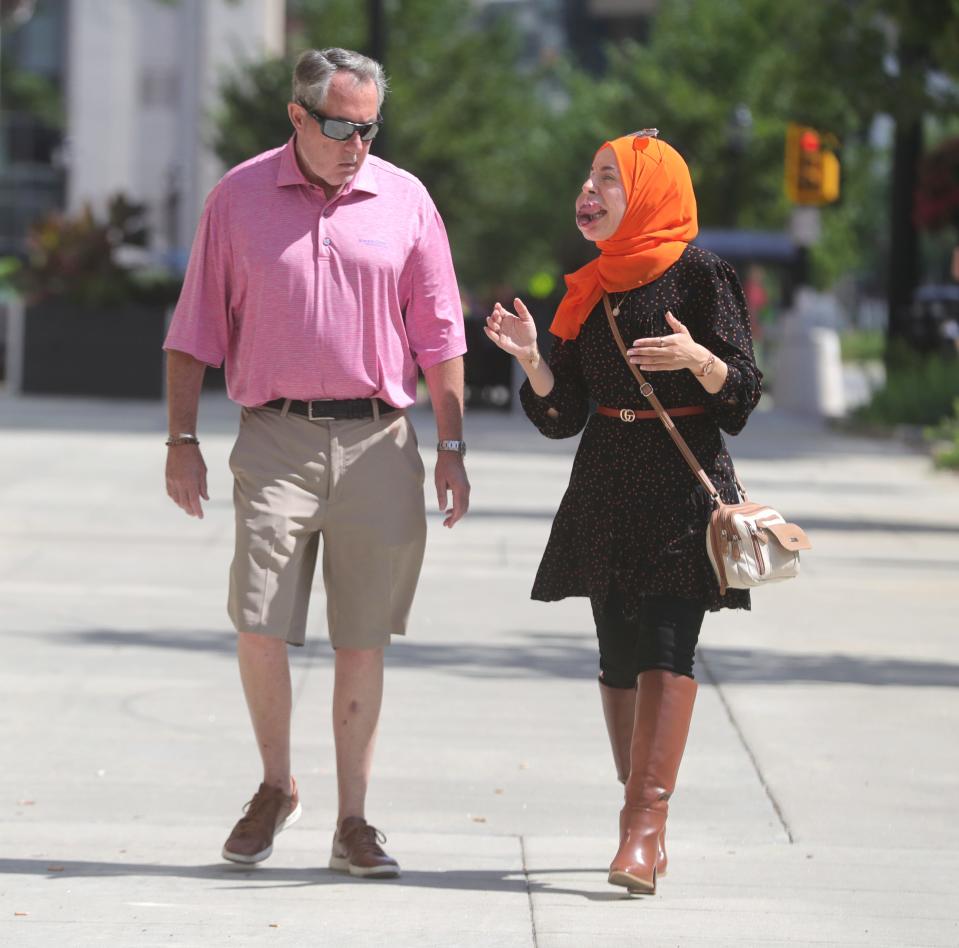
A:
x,y
627,414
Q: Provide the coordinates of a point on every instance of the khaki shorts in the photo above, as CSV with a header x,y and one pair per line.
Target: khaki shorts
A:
x,y
356,484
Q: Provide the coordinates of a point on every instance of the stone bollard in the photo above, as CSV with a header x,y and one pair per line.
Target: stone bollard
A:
x,y
807,369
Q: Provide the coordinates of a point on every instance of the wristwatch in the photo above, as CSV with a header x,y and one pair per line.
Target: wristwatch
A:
x,y
458,446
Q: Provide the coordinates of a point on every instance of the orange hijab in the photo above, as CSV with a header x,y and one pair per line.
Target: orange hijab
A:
x,y
660,220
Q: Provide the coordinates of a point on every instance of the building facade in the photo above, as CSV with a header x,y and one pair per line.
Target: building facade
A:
x,y
136,82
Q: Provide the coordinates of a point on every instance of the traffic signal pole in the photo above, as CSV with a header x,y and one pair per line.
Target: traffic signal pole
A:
x,y
903,273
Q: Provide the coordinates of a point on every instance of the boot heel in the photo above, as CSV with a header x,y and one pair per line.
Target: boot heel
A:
x,y
634,884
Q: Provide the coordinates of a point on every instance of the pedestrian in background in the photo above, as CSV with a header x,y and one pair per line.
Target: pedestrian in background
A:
x,y
321,276
630,531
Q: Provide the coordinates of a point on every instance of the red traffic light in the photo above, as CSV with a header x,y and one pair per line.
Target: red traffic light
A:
x,y
809,141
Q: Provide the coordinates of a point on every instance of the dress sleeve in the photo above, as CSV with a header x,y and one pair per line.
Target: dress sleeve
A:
x,y
568,396
725,331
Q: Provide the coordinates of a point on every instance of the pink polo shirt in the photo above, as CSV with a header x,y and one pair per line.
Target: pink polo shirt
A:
x,y
304,297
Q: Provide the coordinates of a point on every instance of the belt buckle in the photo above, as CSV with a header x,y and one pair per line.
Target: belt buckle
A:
x,y
627,414
309,410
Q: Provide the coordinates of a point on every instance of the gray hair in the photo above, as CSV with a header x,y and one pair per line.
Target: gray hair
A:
x,y
316,67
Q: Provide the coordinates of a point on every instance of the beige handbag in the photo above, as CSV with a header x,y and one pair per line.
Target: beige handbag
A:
x,y
748,544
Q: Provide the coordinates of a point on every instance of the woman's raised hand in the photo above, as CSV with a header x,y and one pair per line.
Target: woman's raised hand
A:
x,y
668,353
515,334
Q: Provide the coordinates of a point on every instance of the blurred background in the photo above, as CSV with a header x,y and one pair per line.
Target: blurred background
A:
x,y
823,140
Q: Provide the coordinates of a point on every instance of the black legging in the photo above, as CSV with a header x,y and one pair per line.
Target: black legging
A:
x,y
663,634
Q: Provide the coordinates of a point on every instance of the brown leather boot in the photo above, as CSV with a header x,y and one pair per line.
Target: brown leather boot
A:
x,y
664,709
619,710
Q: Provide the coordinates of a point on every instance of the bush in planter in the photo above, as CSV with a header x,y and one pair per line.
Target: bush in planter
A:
x,y
920,390
94,324
945,440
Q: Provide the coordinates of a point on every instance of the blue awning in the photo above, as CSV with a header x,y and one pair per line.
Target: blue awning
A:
x,y
747,246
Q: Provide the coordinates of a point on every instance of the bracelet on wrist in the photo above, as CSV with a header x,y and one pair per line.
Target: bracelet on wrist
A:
x,y
178,439
707,366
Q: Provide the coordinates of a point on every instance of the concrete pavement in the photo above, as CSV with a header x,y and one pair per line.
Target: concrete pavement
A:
x,y
817,801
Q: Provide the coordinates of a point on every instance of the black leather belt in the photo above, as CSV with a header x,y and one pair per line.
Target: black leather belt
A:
x,y
332,409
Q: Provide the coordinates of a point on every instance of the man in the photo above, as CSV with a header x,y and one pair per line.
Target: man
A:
x,y
321,276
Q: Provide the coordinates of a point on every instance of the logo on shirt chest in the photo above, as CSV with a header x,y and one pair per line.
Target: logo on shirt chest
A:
x,y
373,242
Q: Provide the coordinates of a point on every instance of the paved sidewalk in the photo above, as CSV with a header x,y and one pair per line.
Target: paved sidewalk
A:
x,y
817,801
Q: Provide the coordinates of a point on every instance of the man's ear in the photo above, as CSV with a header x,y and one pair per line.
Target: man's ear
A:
x,y
297,115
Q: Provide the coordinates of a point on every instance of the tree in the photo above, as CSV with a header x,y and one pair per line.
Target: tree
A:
x,y
461,115
835,65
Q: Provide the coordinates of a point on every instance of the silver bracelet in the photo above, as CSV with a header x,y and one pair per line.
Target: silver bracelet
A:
x,y
184,438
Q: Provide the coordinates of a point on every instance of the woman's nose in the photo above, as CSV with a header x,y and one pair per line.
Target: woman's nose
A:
x,y
588,185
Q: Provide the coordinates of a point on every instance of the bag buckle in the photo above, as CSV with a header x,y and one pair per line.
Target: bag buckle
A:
x,y
627,414
645,389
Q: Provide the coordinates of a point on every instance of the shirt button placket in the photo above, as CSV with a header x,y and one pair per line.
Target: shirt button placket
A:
x,y
325,215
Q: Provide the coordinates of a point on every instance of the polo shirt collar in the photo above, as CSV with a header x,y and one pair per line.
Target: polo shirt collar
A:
x,y
289,173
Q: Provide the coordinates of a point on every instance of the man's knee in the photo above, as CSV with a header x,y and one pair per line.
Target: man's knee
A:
x,y
251,643
358,659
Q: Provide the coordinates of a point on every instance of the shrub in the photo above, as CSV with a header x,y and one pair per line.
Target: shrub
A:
x,y
79,258
862,345
919,390
945,439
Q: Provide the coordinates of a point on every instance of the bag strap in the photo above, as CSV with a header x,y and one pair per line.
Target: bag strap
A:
x,y
647,391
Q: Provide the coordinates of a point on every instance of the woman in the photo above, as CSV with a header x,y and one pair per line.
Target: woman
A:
x,y
630,531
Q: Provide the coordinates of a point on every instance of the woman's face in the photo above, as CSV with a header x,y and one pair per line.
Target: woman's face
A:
x,y
602,200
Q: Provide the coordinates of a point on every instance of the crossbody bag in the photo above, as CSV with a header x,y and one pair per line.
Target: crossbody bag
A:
x,y
748,544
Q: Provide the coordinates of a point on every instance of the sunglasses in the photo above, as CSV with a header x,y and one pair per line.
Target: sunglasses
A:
x,y
340,130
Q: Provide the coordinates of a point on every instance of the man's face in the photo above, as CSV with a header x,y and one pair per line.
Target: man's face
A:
x,y
324,160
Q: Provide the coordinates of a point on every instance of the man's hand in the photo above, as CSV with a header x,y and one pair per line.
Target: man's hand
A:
x,y
450,475
186,478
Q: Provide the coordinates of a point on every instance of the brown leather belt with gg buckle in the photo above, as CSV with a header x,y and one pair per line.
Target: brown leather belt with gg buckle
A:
x,y
637,414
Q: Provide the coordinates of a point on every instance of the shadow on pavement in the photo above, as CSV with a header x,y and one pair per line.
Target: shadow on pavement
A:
x,y
840,524
770,434
571,656
745,666
481,880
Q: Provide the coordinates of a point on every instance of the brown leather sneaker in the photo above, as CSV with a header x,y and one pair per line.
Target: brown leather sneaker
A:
x,y
269,812
357,850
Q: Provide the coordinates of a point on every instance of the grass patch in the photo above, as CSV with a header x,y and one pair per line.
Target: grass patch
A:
x,y
945,439
862,345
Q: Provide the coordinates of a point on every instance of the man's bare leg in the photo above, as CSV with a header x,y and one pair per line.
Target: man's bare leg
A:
x,y
265,673
357,698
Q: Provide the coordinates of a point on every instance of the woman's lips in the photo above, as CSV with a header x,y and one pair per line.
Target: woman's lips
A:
x,y
589,213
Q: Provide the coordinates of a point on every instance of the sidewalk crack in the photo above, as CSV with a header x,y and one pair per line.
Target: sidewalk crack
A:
x,y
529,890
714,681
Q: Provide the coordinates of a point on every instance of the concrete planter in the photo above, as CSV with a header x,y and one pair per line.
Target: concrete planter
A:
x,y
114,352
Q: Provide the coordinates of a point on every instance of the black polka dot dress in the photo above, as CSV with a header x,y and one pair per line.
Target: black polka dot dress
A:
x,y
633,513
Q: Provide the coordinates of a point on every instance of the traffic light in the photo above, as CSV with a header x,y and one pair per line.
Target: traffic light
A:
x,y
812,166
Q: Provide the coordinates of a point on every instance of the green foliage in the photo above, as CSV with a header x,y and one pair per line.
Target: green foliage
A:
x,y
862,345
855,231
252,115
920,390
503,145
945,439
461,116
78,258
30,92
